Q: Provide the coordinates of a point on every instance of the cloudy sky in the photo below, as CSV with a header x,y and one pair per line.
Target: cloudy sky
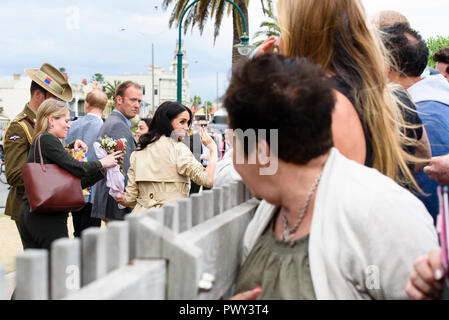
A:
x,y
85,37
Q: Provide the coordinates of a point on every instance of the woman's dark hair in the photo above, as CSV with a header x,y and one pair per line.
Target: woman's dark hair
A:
x,y
147,121
161,123
292,95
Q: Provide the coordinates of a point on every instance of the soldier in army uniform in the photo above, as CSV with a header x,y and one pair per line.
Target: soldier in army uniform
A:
x,y
47,82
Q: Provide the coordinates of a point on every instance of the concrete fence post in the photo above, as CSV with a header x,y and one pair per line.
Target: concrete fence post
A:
x,y
156,214
247,193
208,199
233,194
65,267
171,216
218,200
117,239
241,190
197,209
133,220
94,254
226,197
185,214
32,275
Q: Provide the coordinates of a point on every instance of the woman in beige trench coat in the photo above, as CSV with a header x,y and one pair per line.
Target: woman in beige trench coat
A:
x,y
162,166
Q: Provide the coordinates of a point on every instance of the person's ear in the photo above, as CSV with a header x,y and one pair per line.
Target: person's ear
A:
x,y
267,156
263,152
51,122
39,96
119,100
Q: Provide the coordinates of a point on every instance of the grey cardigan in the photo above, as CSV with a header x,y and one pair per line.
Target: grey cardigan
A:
x,y
366,233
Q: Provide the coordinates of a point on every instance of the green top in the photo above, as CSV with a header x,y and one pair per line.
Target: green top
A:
x,y
280,268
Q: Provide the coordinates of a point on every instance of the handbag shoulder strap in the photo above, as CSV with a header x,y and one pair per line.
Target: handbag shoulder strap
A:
x,y
38,144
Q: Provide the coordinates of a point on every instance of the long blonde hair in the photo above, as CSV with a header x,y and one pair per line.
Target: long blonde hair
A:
x,y
335,34
49,108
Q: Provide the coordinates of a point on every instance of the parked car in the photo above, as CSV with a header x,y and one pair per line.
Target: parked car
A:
x,y
219,122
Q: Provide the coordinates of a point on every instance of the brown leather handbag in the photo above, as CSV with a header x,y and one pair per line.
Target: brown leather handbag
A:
x,y
49,188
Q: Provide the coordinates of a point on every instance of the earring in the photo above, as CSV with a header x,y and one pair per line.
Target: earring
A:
x,y
51,126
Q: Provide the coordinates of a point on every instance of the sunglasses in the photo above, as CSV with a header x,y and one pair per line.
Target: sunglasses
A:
x,y
203,125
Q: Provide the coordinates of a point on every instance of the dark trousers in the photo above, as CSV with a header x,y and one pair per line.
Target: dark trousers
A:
x,y
195,188
39,230
82,220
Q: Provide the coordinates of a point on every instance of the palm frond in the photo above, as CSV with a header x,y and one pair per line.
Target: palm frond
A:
x,y
219,18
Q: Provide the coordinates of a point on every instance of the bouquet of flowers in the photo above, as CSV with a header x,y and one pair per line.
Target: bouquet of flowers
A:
x,y
81,156
115,179
111,146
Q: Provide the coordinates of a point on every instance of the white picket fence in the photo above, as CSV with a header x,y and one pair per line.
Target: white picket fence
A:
x,y
189,249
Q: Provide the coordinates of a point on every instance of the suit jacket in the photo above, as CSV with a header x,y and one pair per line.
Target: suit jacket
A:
x,y
104,206
86,129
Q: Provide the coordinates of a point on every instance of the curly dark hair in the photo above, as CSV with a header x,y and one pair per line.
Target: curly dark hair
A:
x,y
292,95
442,56
408,49
161,123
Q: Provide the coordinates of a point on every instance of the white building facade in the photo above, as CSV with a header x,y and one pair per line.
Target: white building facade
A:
x,y
165,84
15,92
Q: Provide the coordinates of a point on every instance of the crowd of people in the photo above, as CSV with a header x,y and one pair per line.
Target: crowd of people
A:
x,y
361,145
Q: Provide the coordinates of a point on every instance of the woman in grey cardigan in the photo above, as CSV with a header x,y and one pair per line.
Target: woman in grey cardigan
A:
x,y
328,227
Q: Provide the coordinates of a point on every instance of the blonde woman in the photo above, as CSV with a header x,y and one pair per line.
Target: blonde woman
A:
x,y
39,230
367,125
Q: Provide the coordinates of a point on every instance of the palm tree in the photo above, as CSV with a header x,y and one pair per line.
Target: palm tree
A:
x,y
204,9
208,108
196,101
271,27
98,77
110,88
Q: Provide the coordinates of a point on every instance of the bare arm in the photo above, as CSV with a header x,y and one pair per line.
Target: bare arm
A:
x,y
213,156
347,130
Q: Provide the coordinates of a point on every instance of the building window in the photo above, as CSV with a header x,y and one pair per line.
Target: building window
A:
x,y
80,108
143,89
183,73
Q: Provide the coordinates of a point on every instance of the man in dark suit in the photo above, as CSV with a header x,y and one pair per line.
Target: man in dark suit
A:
x,y
86,129
128,97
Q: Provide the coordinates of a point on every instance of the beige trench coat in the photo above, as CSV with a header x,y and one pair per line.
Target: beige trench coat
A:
x,y
161,173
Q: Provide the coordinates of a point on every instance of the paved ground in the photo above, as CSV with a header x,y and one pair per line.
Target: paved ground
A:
x,y
10,243
9,237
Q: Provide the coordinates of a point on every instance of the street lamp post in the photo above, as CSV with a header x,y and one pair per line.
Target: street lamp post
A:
x,y
243,47
152,70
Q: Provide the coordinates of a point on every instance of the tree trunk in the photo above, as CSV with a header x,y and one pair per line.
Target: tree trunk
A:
x,y
236,57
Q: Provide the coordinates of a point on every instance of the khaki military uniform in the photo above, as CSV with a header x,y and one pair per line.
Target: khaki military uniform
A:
x,y
16,144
